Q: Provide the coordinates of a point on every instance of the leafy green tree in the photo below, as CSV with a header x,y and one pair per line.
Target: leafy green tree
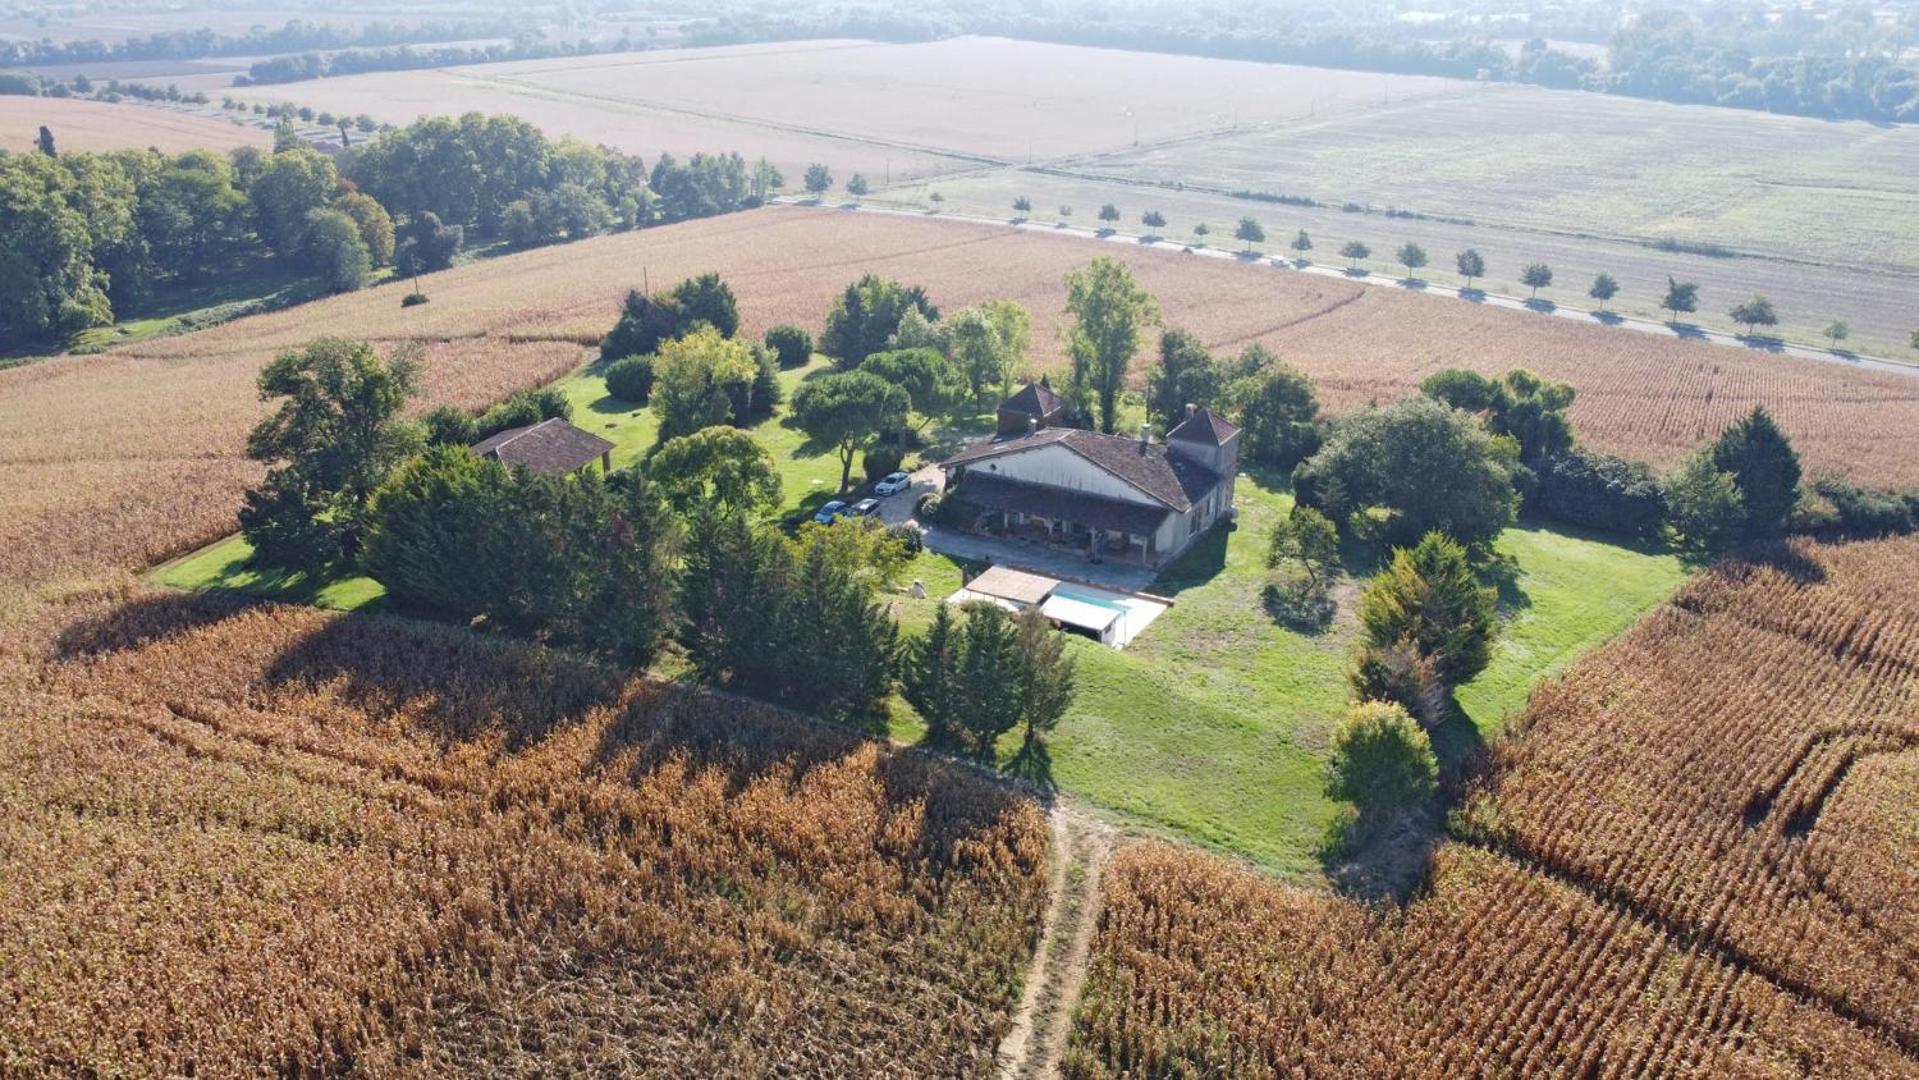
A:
x,y
1249,231
337,434
1412,257
1400,674
1022,205
1431,597
376,227
989,341
1109,213
1109,308
1471,264
738,573
1153,219
48,281
866,314
697,380
190,213
1302,243
1276,408
1837,331
647,321
857,186
707,299
524,408
1353,252
1604,288
715,466
427,245
842,647
1521,406
819,178
1536,276
934,385
449,425
335,250
1186,375
1704,506
930,677
1754,313
1681,296
1764,467
1430,466
1308,538
292,184
791,345
846,409
1381,760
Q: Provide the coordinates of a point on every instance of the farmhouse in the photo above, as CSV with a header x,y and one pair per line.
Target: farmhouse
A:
x,y
553,447
1113,496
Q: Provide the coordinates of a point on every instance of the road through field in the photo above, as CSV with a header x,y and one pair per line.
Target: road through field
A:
x,y
1683,331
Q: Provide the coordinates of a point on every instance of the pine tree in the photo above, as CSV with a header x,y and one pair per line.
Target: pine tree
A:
x,y
1765,469
929,677
1430,597
989,677
1047,674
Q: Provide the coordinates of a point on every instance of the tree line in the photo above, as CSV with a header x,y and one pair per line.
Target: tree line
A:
x,y
294,35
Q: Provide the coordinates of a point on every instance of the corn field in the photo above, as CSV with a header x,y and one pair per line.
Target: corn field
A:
x,y
242,840
1697,859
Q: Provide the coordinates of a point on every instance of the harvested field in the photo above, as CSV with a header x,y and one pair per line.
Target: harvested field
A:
x,y
242,840
1697,860
78,124
112,462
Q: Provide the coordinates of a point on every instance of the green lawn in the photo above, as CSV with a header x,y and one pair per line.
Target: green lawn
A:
x,y
1214,724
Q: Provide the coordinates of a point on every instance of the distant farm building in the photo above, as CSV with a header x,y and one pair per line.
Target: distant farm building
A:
x,y
553,447
1035,406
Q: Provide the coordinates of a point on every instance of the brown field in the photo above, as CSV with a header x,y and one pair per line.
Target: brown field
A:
x,y
99,125
240,840
1699,861
148,437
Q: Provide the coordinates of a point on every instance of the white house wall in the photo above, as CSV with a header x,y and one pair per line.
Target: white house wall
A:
x,y
1060,467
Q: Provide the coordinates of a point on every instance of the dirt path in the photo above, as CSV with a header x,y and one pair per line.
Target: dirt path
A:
x,y
1033,1046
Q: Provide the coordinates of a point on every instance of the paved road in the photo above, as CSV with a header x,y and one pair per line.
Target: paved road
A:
x,y
1516,303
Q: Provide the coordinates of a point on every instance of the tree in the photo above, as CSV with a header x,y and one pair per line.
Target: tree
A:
x,y
933,383
376,227
1109,308
818,179
1681,296
1471,264
988,342
427,245
45,142
1412,257
630,378
1838,330
857,186
1765,469
1153,219
1754,312
1023,205
698,380
1431,467
1109,213
1913,342
989,676
1521,406
1430,597
1186,375
707,299
1249,231
1201,231
1353,252
1309,538
845,409
1381,760
1536,276
336,435
1704,506
1604,288
48,280
647,321
1276,407
1047,675
716,466
1302,243
791,345
929,677
336,251
291,184
866,314
190,213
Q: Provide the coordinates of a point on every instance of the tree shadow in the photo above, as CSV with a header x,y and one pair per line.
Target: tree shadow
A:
x,y
1609,318
1381,857
1302,605
1032,764
1763,342
1247,256
1357,273
1413,283
1473,295
1689,331
143,621
1541,305
1502,572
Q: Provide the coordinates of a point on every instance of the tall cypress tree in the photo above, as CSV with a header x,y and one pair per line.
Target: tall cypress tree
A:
x,y
1765,469
929,676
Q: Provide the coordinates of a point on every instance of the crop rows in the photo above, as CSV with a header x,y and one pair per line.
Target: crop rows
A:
x,y
1697,858
239,840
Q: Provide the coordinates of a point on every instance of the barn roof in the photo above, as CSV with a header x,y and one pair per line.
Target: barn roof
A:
x,y
1034,399
1146,466
1204,426
551,446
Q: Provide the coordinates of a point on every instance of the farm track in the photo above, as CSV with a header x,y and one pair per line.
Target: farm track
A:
x,y
1054,980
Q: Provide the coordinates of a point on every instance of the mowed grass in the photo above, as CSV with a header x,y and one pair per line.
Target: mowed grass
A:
x,y
1215,724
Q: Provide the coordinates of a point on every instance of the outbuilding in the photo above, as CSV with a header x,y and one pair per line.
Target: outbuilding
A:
x,y
553,447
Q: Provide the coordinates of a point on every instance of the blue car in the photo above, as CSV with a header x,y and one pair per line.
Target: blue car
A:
x,y
831,512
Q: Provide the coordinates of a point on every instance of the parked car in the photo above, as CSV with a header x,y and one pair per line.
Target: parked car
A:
x,y
866,508
892,484
831,512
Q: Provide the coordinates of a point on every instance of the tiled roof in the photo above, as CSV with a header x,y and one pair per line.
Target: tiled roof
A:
x,y
550,446
1204,426
1033,399
991,492
1015,585
1149,467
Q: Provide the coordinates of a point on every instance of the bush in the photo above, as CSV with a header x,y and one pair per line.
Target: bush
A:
x,y
910,539
413,299
882,458
1399,674
1859,512
792,345
447,425
1598,491
1704,506
1430,598
523,408
1381,759
630,378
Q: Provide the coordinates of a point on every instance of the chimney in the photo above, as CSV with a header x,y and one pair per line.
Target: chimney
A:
x,y
1191,409
1145,437
1032,424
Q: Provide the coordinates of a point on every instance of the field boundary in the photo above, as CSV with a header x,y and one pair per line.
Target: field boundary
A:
x,y
1050,992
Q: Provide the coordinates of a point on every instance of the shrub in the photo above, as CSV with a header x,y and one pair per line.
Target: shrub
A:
x,y
413,299
630,378
447,425
1598,491
1399,674
1430,598
792,345
1704,506
1856,511
910,539
523,408
1381,759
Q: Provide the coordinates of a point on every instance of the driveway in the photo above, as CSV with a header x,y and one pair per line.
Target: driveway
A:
x,y
898,509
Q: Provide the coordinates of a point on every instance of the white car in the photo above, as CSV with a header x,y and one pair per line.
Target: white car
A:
x,y
892,484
